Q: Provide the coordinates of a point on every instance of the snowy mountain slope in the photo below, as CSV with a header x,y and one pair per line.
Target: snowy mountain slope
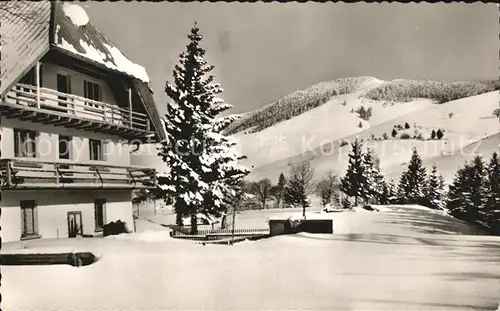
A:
x,y
307,119
301,101
471,121
320,125
316,127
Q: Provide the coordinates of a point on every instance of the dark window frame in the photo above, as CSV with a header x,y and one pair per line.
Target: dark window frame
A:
x,y
99,214
69,140
96,155
24,206
92,91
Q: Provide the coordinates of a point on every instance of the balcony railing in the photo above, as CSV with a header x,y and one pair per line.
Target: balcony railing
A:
x,y
35,174
54,103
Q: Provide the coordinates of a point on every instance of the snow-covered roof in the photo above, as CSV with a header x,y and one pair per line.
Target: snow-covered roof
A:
x,y
24,36
75,34
77,14
31,29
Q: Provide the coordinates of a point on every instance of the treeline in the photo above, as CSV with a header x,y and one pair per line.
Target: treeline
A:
x,y
295,104
473,196
365,183
290,191
408,90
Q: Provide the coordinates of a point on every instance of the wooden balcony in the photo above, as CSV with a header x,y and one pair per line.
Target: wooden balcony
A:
x,y
47,106
36,174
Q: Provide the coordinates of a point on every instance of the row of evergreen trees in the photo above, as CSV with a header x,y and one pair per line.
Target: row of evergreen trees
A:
x,y
365,182
473,196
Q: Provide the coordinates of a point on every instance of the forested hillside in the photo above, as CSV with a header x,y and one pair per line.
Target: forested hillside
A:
x,y
442,92
297,103
399,91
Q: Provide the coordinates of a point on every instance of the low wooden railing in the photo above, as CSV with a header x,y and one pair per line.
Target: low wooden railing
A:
x,y
186,231
49,100
35,174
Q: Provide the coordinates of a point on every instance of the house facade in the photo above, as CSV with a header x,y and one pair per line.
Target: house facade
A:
x,y
72,109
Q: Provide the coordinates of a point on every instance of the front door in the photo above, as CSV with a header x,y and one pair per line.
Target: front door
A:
x,y
63,86
75,226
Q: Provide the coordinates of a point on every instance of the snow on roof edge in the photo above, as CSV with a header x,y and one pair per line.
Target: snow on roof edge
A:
x,y
119,62
125,66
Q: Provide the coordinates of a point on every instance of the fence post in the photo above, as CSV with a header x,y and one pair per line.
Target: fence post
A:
x,y
37,77
232,230
130,106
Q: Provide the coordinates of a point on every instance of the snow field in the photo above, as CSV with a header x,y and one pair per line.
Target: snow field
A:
x,y
375,260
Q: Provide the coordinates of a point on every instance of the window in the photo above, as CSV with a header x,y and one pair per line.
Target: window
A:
x,y
96,149
28,219
91,91
27,95
99,213
29,78
64,147
25,143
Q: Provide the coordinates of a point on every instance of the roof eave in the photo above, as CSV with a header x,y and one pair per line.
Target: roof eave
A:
x,y
25,71
84,59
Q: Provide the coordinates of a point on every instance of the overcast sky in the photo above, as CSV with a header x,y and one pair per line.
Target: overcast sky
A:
x,y
263,51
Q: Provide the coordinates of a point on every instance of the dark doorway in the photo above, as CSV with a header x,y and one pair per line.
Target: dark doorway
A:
x,y
75,226
63,86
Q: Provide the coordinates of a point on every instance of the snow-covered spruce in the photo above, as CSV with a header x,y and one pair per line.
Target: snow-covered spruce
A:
x,y
204,175
493,194
363,179
468,193
413,182
435,197
353,183
374,180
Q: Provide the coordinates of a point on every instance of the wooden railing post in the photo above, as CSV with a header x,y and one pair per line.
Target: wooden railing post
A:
x,y
57,172
8,173
37,78
130,106
104,113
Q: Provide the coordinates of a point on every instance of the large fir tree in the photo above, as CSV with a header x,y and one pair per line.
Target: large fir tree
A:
x,y
354,182
384,197
467,194
459,203
392,192
412,186
480,189
203,174
373,179
279,190
402,188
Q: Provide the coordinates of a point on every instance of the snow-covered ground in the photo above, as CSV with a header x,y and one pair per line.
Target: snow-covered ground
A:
x,y
400,258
